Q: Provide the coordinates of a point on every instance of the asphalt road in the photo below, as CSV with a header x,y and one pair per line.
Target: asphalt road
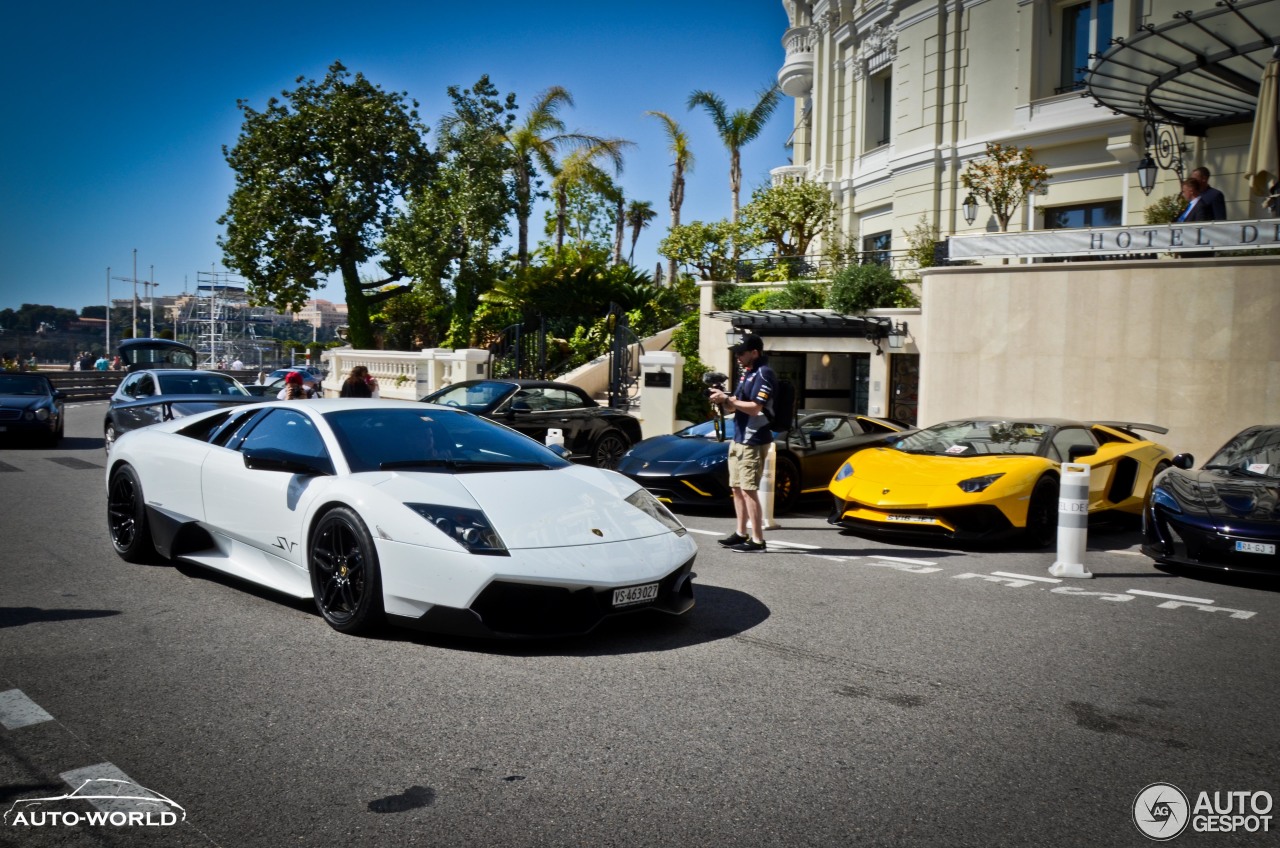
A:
x,y
833,692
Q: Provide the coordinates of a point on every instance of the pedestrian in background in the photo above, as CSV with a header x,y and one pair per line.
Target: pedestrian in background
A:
x,y
359,384
295,388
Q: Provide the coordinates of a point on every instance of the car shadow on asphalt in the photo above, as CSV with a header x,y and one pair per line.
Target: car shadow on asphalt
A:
x,y
1262,582
719,613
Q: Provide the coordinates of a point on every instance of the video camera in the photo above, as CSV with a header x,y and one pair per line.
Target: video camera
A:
x,y
715,381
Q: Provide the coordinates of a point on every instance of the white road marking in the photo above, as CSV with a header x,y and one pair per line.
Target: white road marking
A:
x,y
1204,608
17,710
1170,597
704,532
904,559
1124,552
1026,577
797,545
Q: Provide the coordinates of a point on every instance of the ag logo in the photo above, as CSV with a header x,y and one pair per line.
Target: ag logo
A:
x,y
1161,811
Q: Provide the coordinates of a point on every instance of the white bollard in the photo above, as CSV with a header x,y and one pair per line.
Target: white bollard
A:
x,y
555,436
1073,521
766,489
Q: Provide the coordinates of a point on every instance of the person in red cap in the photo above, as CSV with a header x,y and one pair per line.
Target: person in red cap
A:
x,y
295,388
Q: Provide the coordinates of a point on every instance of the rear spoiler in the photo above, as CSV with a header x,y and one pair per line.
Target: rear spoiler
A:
x,y
1129,425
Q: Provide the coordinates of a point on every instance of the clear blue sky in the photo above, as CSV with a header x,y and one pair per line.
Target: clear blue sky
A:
x,y
116,114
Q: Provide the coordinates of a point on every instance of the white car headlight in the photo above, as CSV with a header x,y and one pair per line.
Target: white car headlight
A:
x,y
468,527
644,501
42,414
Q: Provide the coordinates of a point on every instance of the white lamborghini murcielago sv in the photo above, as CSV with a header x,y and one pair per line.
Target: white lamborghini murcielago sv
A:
x,y
422,515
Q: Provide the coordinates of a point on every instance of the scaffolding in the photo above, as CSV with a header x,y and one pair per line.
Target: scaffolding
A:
x,y
221,325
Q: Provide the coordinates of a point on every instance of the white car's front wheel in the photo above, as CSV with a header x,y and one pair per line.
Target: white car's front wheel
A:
x,y
127,517
344,572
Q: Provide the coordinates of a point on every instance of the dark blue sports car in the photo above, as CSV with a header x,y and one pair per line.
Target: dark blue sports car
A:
x,y
691,466
1226,515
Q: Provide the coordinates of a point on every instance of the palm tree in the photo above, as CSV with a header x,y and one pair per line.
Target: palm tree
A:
x,y
681,164
580,167
737,129
639,214
538,140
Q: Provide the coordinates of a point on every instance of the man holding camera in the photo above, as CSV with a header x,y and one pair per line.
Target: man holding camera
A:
x,y
751,439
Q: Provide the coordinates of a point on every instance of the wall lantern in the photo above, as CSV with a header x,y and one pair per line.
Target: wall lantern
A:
x,y
733,337
970,210
1147,174
898,336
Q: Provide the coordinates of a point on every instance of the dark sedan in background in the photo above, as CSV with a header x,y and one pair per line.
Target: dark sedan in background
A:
x,y
149,396
691,466
593,433
1226,515
30,406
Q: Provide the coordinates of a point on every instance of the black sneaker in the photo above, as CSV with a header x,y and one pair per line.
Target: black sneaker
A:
x,y
749,547
732,539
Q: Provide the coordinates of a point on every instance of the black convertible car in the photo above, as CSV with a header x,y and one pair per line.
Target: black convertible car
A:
x,y
1225,515
30,405
691,466
592,433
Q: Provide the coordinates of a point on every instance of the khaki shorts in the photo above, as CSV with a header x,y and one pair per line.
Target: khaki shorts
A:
x,y
746,465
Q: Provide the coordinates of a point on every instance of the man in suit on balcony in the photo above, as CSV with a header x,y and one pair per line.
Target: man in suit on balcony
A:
x,y
1213,201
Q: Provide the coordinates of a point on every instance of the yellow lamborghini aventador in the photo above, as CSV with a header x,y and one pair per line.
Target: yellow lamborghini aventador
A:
x,y
988,477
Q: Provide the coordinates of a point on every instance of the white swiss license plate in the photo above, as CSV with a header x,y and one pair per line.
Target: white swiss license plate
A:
x,y
635,595
1255,548
911,519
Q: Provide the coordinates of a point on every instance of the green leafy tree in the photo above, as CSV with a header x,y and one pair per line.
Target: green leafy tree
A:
x,y
1004,179
581,168
537,142
454,225
861,287
320,176
708,249
681,164
790,215
737,129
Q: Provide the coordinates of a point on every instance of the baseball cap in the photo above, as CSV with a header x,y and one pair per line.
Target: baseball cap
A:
x,y
751,342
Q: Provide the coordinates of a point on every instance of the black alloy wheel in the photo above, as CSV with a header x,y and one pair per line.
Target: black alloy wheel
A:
x,y
609,449
786,485
127,517
1042,513
344,573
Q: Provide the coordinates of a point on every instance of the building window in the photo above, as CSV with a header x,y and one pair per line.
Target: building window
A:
x,y
875,248
879,109
1104,213
1086,29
